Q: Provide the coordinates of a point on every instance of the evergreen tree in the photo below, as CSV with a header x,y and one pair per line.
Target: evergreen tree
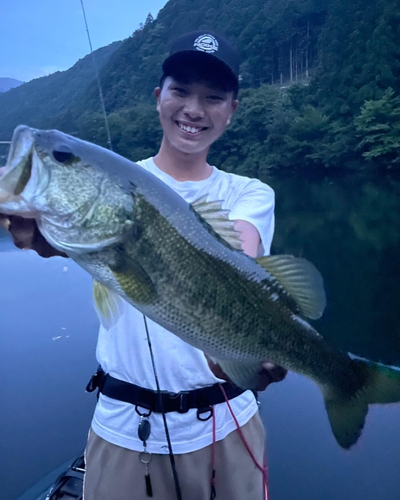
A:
x,y
378,124
361,54
149,19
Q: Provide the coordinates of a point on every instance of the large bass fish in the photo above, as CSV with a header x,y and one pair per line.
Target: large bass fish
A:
x,y
182,266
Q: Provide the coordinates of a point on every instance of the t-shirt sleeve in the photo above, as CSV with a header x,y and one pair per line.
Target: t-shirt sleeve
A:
x,y
256,204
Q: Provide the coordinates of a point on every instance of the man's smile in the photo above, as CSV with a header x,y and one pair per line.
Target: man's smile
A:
x,y
190,129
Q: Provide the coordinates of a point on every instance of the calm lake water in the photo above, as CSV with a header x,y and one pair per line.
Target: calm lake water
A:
x,y
348,226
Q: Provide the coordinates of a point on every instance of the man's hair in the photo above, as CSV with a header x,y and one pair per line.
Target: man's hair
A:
x,y
207,71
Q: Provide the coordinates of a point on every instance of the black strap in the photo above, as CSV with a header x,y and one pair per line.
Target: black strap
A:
x,y
183,401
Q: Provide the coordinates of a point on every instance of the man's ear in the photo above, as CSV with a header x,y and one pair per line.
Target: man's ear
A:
x,y
157,93
235,104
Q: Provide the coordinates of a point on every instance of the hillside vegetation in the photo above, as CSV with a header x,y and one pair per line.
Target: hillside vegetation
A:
x,y
320,82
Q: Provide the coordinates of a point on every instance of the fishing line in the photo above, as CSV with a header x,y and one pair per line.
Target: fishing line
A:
x,y
171,454
96,71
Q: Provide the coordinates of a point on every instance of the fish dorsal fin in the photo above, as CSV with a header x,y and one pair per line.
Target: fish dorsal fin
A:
x,y
218,219
109,305
300,279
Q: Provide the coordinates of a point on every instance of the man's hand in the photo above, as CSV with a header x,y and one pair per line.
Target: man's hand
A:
x,y
26,234
269,373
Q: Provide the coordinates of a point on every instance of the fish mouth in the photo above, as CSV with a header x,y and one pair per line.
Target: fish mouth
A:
x,y
18,168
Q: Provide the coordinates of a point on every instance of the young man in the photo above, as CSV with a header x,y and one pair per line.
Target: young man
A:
x,y
196,100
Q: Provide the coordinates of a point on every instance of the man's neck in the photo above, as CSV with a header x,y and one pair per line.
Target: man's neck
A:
x,y
182,166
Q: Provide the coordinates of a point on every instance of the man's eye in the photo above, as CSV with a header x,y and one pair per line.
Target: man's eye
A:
x,y
180,90
215,98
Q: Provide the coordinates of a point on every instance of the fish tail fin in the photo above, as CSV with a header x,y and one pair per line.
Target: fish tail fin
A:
x,y
347,409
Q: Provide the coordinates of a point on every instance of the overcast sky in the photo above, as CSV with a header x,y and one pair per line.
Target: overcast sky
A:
x,y
38,37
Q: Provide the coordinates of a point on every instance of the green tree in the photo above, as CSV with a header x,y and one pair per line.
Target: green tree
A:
x,y
149,19
378,126
243,148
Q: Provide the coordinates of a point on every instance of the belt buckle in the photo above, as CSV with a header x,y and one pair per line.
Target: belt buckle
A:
x,y
182,397
183,402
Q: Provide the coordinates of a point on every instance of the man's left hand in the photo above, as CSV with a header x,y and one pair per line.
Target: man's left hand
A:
x,y
269,374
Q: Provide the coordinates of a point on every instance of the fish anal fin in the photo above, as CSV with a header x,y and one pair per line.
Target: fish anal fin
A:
x,y
244,375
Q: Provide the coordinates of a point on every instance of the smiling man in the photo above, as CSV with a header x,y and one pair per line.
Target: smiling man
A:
x,y
215,429
196,99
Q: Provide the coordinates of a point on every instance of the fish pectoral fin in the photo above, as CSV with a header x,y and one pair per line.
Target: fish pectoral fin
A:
x,y
244,375
134,281
218,219
109,305
300,279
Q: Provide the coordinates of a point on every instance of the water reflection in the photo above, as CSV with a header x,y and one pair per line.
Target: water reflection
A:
x,y
347,227
47,412
305,462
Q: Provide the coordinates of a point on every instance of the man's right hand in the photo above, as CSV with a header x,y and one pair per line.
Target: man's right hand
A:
x,y
26,234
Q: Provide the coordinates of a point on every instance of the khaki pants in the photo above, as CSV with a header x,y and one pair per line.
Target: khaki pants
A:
x,y
115,473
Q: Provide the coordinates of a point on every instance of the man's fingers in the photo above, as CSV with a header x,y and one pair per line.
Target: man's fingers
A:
x,y
23,231
276,372
5,221
26,235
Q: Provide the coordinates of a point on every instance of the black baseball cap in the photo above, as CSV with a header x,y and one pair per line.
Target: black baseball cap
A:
x,y
206,52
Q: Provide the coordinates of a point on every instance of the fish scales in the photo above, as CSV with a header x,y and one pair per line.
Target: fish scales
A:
x,y
237,319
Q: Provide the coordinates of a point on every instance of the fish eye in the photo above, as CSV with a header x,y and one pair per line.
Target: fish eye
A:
x,y
63,156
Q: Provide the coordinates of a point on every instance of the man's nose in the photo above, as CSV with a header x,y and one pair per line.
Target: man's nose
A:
x,y
194,108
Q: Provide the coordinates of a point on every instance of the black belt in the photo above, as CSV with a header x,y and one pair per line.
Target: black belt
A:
x,y
152,401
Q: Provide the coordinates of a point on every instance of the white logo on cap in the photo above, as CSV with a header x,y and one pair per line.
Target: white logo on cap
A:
x,y
206,43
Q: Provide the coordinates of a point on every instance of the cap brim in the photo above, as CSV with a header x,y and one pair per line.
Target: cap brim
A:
x,y
188,59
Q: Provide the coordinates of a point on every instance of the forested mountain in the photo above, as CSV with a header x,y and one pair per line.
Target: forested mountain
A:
x,y
9,83
320,83
276,43
44,102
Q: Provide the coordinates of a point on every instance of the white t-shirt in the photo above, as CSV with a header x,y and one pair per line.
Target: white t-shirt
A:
x,y
123,351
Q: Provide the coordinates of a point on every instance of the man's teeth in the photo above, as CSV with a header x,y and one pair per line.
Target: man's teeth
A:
x,y
192,130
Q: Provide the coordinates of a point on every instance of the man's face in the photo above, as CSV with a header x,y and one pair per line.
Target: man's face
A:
x,y
193,115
